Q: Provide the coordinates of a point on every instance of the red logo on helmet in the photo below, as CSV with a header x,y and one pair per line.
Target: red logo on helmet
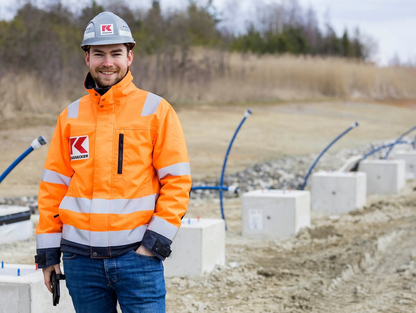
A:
x,y
107,29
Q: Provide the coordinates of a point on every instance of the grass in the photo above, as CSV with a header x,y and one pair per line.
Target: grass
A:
x,y
285,78
214,77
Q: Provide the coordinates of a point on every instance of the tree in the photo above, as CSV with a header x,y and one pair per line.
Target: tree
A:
x,y
346,45
202,25
331,43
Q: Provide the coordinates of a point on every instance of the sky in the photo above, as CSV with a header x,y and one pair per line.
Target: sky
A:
x,y
389,24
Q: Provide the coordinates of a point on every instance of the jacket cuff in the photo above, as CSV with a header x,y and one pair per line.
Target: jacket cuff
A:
x,y
47,257
157,244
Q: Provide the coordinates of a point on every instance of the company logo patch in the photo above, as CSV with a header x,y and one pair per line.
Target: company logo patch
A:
x,y
80,147
107,29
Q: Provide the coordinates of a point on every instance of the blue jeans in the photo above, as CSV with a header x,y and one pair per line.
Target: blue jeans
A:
x,y
135,280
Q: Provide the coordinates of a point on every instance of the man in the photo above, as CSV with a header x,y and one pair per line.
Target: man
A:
x,y
115,185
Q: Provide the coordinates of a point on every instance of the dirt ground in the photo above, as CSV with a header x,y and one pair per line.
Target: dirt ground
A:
x,y
363,261
272,131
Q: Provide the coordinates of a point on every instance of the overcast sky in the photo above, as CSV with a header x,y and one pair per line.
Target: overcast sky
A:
x,y
391,23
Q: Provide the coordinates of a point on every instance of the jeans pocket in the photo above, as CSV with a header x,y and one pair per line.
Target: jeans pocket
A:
x,y
148,257
68,256
145,263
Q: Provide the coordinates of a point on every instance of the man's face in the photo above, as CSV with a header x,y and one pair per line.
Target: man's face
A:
x,y
108,64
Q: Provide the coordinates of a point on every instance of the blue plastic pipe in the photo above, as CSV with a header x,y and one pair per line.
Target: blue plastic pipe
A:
x,y
210,188
323,152
398,139
246,114
390,145
36,144
221,187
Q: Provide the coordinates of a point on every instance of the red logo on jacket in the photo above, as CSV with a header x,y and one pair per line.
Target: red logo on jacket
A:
x,y
80,147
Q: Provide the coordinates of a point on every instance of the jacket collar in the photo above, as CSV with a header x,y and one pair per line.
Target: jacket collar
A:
x,y
121,89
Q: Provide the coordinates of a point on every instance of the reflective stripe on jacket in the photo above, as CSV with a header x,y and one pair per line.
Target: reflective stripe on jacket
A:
x,y
117,175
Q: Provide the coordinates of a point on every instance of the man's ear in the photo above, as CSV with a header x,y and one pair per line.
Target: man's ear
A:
x,y
87,58
130,58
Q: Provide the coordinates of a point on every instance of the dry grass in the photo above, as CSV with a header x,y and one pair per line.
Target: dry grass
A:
x,y
219,77
23,95
270,78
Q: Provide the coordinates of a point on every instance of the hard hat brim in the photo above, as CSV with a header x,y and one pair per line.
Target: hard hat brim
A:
x,y
86,46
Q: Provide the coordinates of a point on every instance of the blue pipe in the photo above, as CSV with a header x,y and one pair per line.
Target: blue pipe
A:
x,y
383,147
36,144
398,139
246,114
221,187
17,161
210,188
323,152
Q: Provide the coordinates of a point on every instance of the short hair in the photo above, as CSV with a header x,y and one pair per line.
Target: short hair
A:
x,y
128,46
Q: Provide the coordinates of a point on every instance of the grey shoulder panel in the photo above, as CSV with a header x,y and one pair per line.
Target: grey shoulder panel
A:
x,y
151,104
73,109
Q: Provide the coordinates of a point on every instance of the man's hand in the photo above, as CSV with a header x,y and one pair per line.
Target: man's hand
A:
x,y
142,250
47,275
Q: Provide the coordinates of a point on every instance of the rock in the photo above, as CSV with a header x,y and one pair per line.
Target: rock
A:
x,y
284,173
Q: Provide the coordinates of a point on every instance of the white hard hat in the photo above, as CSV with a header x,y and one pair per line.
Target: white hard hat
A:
x,y
107,29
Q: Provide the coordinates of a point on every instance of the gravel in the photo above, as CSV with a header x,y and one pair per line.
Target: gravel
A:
x,y
285,173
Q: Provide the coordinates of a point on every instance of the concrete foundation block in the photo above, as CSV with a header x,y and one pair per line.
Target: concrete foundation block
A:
x,y
384,176
198,247
274,214
15,223
350,163
27,293
337,193
410,158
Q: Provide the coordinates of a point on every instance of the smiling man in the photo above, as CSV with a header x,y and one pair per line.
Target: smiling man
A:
x,y
115,185
108,63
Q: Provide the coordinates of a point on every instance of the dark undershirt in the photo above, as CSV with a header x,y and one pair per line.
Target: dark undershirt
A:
x,y
90,84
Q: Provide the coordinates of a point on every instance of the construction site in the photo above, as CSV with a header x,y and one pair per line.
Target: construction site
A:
x,y
338,245
291,133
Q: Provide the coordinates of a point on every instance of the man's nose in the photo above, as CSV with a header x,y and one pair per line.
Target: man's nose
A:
x,y
108,61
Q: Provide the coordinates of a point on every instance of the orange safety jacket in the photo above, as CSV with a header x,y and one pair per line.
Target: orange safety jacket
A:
x,y
117,175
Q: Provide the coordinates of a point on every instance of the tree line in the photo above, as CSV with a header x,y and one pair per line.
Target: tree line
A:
x,y
46,41
280,29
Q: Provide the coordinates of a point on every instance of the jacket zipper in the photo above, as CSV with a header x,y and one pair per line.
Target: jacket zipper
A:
x,y
120,153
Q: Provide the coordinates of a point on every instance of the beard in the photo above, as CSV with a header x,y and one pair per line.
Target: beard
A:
x,y
104,82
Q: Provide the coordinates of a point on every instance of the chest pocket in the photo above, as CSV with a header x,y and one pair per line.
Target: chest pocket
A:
x,y
133,161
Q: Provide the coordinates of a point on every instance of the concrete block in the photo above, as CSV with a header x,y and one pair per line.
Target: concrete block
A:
x,y
27,293
274,214
198,247
350,163
384,176
15,223
337,193
410,158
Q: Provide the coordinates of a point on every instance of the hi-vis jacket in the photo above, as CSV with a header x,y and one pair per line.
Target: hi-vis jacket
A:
x,y
117,175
